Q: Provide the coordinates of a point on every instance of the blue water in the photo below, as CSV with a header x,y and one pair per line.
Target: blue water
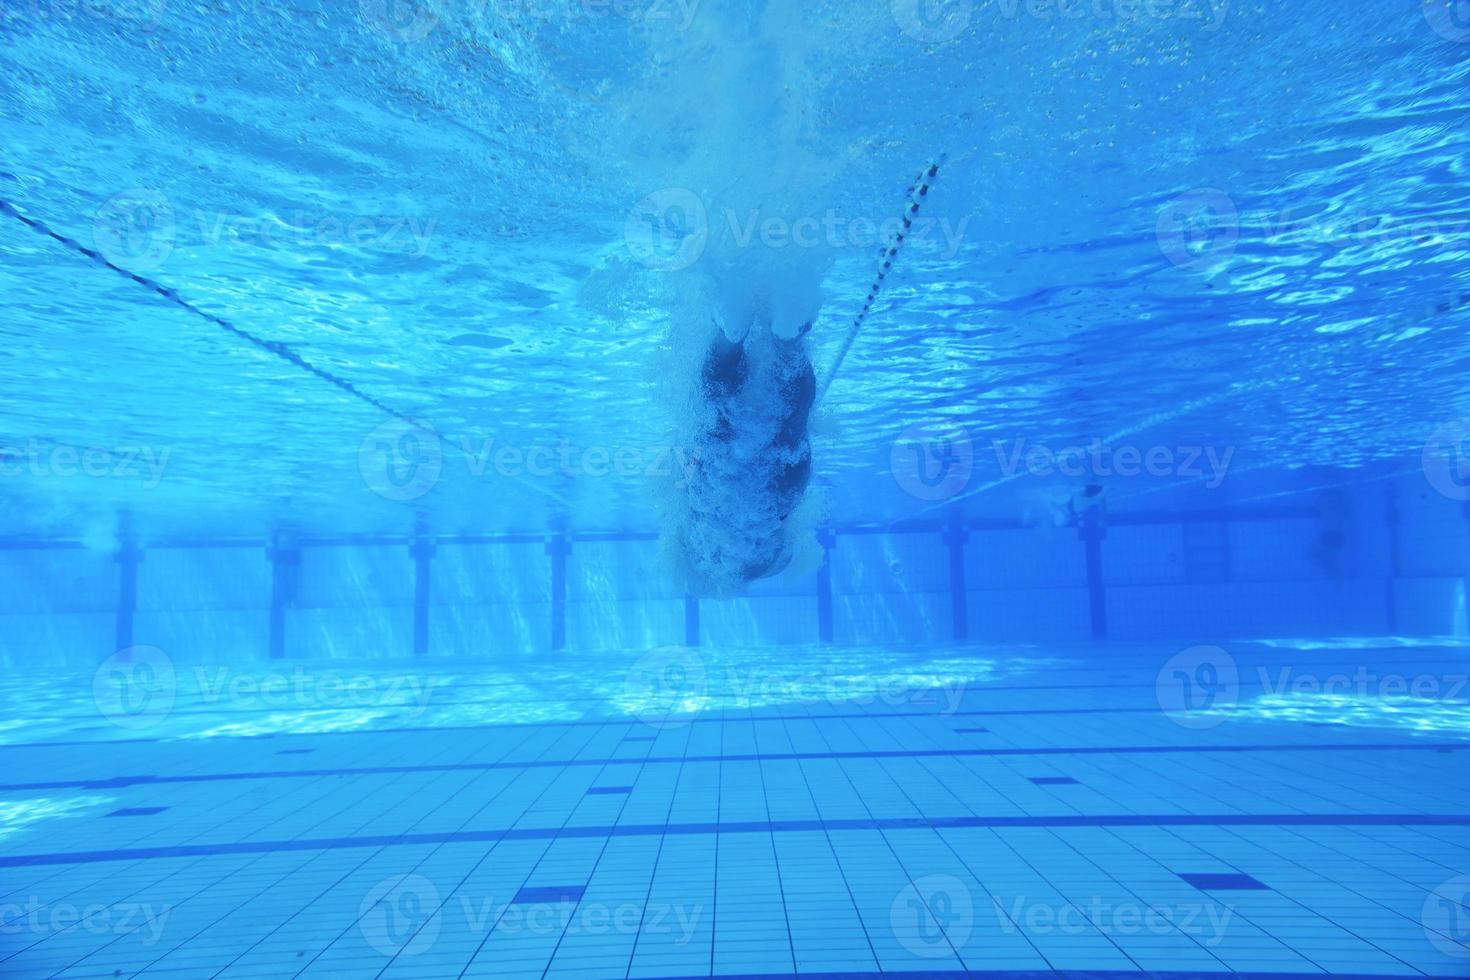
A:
x,y
403,577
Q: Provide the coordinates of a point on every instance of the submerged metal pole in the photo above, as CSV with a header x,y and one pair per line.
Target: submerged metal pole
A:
x,y
1092,532
559,547
691,621
422,552
827,540
955,537
129,555
285,560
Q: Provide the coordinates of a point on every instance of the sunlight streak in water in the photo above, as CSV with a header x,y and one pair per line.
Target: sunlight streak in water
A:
x,y
1425,716
16,815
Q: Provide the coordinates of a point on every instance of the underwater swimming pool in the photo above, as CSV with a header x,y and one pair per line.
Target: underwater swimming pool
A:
x,y
676,488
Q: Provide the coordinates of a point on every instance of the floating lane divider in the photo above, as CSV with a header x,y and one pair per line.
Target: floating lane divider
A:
x,y
274,347
918,191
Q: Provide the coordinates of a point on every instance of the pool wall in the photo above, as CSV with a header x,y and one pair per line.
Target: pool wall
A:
x,y
1383,560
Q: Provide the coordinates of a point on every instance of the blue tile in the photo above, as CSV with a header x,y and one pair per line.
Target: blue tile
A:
x,y
137,811
972,731
550,895
1053,780
295,751
1223,882
609,790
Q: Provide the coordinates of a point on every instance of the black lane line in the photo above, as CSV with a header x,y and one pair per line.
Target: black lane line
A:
x,y
118,782
742,827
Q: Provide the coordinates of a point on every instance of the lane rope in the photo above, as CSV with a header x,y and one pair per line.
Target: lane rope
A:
x,y
274,347
917,193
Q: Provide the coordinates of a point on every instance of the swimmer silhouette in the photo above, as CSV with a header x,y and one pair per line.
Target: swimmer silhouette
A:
x,y
752,457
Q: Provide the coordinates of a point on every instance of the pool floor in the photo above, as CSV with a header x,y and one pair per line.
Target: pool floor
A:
x,y
1036,819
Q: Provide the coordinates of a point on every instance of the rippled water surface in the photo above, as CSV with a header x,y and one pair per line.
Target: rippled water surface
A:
x,y
1241,227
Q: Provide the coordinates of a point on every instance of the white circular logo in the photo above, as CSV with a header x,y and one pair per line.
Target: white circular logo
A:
x,y
135,230
401,916
932,461
1446,460
1199,228
664,682
401,461
933,916
1446,917
135,688
667,230
409,21
1449,18
1197,687
932,21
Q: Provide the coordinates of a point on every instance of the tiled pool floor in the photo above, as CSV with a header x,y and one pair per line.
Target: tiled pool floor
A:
x,y
1068,813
